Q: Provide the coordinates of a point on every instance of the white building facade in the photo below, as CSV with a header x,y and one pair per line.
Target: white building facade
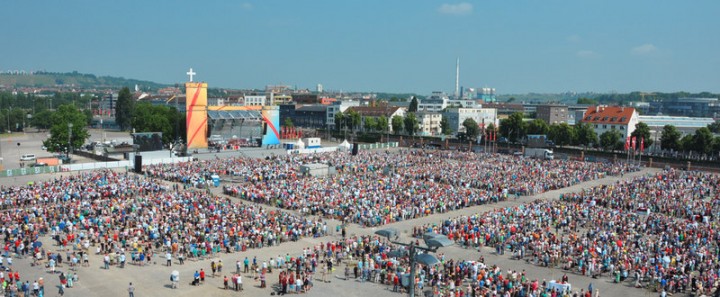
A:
x,y
336,107
429,123
456,117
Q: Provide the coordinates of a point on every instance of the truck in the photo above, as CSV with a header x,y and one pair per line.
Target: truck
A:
x,y
539,153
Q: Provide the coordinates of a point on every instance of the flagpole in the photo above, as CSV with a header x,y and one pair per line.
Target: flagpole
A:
x,y
627,150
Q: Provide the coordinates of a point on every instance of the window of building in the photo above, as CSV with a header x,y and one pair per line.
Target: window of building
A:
x,y
588,118
622,127
604,126
597,118
605,119
613,119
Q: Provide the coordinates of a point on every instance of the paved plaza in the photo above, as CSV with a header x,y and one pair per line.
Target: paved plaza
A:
x,y
153,280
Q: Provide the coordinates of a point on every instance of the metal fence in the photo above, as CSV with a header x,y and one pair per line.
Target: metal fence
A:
x,y
29,171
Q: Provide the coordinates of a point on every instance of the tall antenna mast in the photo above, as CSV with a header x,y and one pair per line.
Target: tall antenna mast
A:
x,y
457,78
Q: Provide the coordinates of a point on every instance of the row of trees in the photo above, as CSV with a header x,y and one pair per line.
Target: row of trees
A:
x,y
582,134
408,125
143,117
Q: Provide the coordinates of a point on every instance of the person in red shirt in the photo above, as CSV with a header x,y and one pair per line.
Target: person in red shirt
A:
x,y
396,282
283,283
202,276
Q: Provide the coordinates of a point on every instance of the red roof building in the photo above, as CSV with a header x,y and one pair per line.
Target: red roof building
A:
x,y
605,118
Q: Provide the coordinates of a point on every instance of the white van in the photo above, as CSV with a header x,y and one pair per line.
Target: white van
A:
x,y
27,157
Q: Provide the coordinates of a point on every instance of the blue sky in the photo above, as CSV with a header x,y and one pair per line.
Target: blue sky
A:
x,y
388,46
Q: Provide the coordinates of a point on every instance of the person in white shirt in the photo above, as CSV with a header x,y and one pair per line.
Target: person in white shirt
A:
x,y
298,285
168,257
239,281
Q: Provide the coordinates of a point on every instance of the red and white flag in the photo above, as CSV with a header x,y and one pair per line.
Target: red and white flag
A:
x,y
642,144
634,143
627,143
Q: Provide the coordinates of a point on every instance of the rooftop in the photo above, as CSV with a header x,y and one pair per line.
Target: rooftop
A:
x,y
617,115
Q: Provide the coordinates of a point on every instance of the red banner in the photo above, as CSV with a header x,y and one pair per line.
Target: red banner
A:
x,y
642,144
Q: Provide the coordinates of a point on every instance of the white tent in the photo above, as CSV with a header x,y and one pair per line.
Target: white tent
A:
x,y
299,145
345,145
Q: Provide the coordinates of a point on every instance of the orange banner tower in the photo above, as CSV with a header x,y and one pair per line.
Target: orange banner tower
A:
x,y
196,114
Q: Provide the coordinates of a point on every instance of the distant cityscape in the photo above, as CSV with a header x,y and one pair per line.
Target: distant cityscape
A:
x,y
317,109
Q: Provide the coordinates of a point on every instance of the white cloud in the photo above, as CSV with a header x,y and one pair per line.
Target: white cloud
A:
x,y
586,54
246,5
462,8
644,49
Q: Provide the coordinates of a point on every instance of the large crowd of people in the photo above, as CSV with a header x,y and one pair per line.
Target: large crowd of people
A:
x,y
691,195
130,219
381,187
606,237
657,230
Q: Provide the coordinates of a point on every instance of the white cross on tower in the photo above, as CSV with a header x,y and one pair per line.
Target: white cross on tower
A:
x,y
191,73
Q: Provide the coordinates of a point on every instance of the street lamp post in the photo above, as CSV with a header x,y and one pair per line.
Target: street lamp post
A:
x,y
433,242
69,151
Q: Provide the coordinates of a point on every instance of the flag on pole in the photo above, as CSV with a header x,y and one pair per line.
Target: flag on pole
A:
x,y
642,144
634,142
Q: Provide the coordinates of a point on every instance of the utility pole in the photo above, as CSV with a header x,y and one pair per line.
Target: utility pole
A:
x,y
70,126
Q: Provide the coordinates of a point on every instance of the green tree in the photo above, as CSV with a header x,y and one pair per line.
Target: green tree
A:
x,y
642,131
714,127
413,105
670,138
472,130
370,124
64,115
445,126
610,140
716,146
88,116
703,140
353,120
288,122
537,126
513,127
124,109
153,118
490,127
382,123
562,134
586,135
339,120
410,123
687,143
584,100
42,120
13,119
397,124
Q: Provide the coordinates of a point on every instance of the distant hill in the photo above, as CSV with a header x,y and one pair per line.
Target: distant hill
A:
x,y
75,80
